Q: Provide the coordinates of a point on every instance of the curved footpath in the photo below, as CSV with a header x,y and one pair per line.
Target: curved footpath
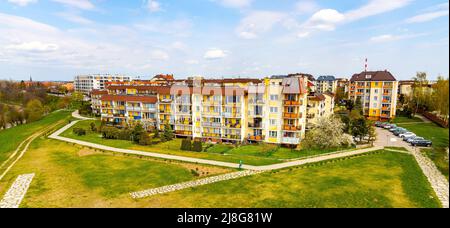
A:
x,y
56,136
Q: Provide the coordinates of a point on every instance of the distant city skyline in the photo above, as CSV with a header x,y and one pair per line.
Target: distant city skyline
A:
x,y
59,39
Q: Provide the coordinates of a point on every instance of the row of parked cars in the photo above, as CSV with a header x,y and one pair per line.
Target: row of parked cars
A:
x,y
406,135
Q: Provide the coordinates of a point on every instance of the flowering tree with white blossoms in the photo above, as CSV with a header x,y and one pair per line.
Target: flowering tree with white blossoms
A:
x,y
326,134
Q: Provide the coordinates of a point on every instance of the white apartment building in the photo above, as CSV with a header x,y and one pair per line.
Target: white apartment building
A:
x,y
87,83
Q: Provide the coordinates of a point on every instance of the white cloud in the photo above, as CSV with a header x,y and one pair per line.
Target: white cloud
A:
x,y
375,7
325,19
390,37
258,22
81,4
22,2
306,6
431,13
159,55
329,19
34,46
215,53
236,3
153,6
73,17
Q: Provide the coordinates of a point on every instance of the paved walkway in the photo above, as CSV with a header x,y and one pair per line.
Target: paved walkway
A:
x,y
17,191
56,136
191,184
438,182
77,115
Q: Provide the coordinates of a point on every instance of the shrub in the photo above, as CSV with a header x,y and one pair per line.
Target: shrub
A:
x,y
79,131
186,145
195,173
125,134
197,146
93,127
110,133
167,134
145,139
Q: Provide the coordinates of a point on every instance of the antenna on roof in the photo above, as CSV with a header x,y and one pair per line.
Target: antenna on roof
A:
x,y
366,66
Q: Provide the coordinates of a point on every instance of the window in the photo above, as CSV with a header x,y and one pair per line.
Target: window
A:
x,y
374,105
274,97
198,108
273,109
375,98
376,91
273,134
273,122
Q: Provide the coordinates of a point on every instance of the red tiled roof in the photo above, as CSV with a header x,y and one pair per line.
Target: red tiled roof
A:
x,y
146,99
373,76
317,97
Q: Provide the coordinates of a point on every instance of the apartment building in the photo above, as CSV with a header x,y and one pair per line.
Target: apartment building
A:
x,y
326,84
87,83
342,85
96,103
271,110
319,105
377,91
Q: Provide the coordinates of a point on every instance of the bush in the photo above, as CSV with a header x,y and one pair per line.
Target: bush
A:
x,y
93,127
125,134
79,131
197,146
186,145
145,139
110,133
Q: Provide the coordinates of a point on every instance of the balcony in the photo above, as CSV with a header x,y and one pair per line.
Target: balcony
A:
x,y
211,135
231,137
186,123
256,101
232,115
293,141
183,133
131,108
386,116
211,125
215,114
292,128
386,108
252,125
257,138
292,103
233,126
165,101
386,101
291,116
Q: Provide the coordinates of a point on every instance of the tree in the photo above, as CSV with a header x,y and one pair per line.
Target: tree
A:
x,y
350,105
441,97
93,127
156,132
359,128
372,134
186,145
34,110
168,133
76,100
137,132
326,134
419,94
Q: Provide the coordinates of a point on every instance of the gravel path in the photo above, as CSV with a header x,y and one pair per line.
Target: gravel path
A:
x,y
437,181
191,184
17,191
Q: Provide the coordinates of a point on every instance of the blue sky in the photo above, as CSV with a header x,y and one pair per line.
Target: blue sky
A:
x,y
58,39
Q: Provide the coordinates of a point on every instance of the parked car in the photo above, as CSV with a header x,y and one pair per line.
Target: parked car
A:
x,y
407,134
396,129
381,124
424,143
410,139
377,124
389,126
397,133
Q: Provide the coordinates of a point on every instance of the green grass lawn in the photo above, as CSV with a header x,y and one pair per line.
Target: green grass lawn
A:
x,y
440,138
11,138
73,176
401,119
379,180
263,154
